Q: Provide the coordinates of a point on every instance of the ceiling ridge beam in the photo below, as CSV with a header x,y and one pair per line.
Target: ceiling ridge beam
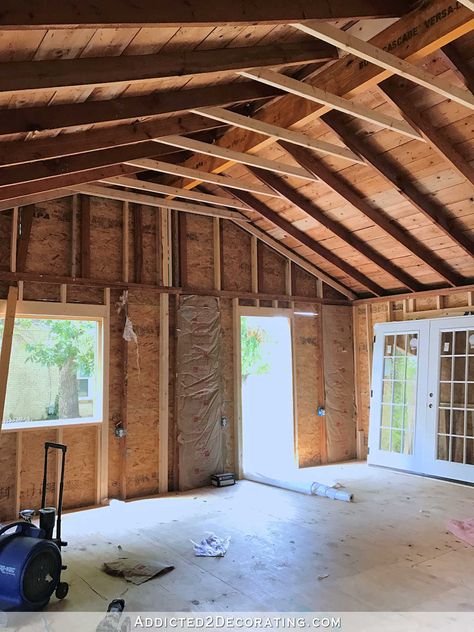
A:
x,y
278,133
309,208
393,91
41,118
394,174
276,219
349,194
228,154
155,201
20,76
186,172
394,65
149,13
331,100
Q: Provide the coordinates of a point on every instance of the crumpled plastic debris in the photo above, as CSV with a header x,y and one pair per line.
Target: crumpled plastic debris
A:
x,y
211,546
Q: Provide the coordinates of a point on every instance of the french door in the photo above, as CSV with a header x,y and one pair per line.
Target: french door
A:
x,y
422,398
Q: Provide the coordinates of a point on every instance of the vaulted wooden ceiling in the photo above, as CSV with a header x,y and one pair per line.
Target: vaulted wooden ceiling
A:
x,y
359,157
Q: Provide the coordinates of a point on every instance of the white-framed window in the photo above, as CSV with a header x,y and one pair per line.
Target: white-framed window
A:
x,y
56,374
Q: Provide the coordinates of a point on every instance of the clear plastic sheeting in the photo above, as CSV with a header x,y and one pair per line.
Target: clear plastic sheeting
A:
x,y
199,409
339,382
211,546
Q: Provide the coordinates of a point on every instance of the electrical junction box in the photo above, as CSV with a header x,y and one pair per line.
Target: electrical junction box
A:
x,y
223,480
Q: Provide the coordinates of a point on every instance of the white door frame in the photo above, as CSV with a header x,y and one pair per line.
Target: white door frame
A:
x,y
244,310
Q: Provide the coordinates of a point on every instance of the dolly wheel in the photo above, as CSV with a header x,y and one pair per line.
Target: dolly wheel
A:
x,y
62,590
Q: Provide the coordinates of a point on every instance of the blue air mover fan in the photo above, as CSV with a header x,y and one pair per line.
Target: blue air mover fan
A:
x,y
30,557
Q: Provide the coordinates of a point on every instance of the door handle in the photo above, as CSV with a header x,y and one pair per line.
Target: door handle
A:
x,y
430,405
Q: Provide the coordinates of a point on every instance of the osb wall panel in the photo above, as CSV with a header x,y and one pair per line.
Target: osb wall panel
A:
x,y
235,250
106,237
142,396
80,476
272,271
31,474
339,382
49,247
7,475
303,284
307,351
199,251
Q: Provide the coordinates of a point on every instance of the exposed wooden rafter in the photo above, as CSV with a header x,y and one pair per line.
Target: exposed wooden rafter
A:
x,y
349,77
337,184
308,207
31,119
157,202
211,178
276,219
394,89
278,133
394,174
18,76
145,13
15,152
461,67
228,154
152,187
330,100
384,59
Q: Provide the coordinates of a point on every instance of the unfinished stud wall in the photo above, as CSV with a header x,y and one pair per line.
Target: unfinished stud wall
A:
x,y
88,243
451,302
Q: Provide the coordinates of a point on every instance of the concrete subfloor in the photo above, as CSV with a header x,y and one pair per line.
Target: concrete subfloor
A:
x,y
388,550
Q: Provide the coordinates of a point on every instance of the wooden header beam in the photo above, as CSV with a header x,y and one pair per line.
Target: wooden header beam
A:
x,y
391,63
19,76
30,14
330,100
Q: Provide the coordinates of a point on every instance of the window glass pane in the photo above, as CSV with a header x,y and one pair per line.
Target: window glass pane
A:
x,y
410,419
410,393
387,392
445,394
397,417
470,342
411,368
460,342
470,423
396,440
389,345
388,368
444,417
399,368
459,374
385,439
408,442
47,358
445,369
447,343
386,415
398,392
470,369
457,450
412,344
458,422
459,392
443,448
470,451
401,344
